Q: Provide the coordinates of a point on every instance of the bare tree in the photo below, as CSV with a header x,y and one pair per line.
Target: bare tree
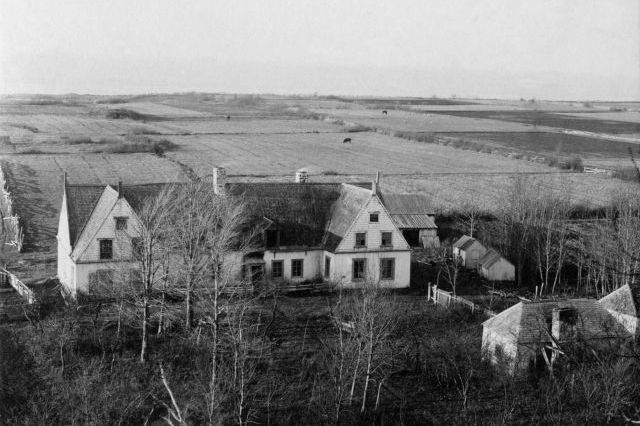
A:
x,y
150,254
470,214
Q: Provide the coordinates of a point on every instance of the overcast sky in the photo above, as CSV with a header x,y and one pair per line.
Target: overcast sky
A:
x,y
555,49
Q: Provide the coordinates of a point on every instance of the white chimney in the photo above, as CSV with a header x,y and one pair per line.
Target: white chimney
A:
x,y
219,180
375,184
302,176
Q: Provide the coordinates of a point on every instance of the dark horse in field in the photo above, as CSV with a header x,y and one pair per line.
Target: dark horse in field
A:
x,y
346,140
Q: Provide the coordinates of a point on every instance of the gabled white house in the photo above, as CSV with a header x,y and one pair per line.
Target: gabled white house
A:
x,y
314,231
97,230
469,250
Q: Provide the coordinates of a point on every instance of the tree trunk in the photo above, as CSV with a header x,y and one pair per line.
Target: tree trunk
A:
x,y
145,319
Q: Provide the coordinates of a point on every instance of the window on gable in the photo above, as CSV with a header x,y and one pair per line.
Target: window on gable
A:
x,y
277,267
106,249
386,239
373,217
296,268
361,239
359,268
121,223
387,269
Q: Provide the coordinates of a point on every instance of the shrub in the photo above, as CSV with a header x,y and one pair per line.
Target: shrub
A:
x,y
330,173
357,128
575,163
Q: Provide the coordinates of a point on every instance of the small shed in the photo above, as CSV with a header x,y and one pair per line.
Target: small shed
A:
x,y
469,250
494,267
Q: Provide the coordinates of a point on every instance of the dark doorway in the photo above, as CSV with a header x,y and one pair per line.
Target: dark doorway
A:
x,y
412,236
256,274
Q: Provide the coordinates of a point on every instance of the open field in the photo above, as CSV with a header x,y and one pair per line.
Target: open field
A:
x,y
422,122
629,116
560,144
540,119
325,152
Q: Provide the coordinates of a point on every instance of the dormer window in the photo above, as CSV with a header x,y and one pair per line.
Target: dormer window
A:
x,y
121,223
373,217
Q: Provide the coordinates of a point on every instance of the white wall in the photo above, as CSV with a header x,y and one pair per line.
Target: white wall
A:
x,y
122,239
342,267
313,262
629,322
82,271
65,264
373,230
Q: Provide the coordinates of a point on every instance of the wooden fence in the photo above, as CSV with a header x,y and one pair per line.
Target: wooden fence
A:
x,y
447,299
24,291
10,227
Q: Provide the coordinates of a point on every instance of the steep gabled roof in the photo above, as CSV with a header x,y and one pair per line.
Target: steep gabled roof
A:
x,y
490,258
343,212
464,242
625,300
409,211
530,322
82,200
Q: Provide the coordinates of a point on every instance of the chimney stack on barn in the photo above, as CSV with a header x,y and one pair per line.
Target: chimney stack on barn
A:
x,y
219,180
120,191
375,185
302,176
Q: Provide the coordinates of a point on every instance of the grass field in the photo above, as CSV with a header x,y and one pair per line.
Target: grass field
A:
x,y
562,121
325,152
629,116
560,144
422,122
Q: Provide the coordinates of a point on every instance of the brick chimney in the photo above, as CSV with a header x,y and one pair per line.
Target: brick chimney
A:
x,y
120,191
219,180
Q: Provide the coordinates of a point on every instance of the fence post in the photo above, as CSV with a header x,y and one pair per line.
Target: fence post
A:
x,y
429,291
435,293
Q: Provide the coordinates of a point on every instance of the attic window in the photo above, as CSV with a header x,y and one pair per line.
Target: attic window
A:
x,y
121,223
373,217
106,249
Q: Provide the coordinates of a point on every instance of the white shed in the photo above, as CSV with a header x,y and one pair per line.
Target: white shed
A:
x,y
469,250
494,267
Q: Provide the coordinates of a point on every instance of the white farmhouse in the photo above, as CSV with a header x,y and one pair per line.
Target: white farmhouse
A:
x,y
469,250
340,232
97,231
